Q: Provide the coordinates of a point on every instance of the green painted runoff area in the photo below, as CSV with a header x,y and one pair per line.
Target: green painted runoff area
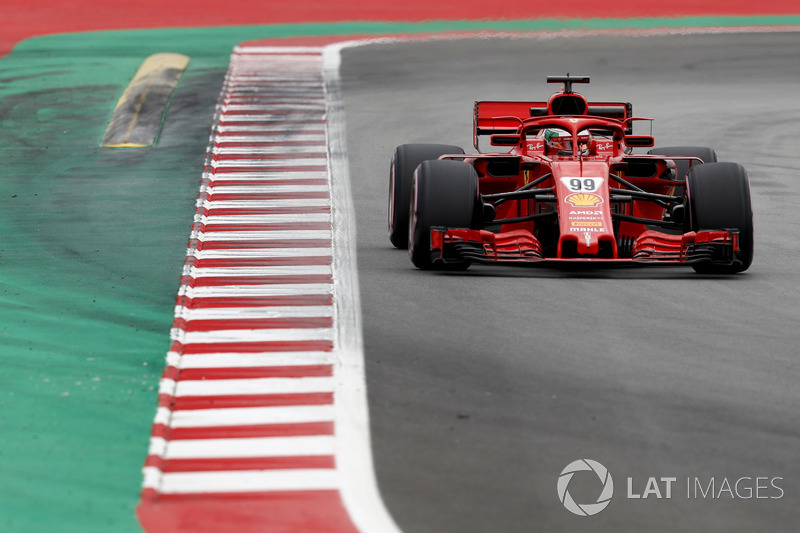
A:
x,y
92,241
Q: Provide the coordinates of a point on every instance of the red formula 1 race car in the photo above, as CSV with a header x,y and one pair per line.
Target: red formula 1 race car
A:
x,y
568,189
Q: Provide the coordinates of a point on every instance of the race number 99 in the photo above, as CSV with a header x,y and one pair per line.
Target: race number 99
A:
x,y
582,184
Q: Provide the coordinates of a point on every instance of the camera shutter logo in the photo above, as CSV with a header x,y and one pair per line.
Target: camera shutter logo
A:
x,y
585,509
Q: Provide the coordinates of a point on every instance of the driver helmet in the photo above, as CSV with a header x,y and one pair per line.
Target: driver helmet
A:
x,y
557,140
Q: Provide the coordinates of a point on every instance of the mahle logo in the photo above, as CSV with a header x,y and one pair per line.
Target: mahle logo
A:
x,y
585,509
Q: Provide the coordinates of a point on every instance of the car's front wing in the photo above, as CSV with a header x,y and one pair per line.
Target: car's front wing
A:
x,y
520,247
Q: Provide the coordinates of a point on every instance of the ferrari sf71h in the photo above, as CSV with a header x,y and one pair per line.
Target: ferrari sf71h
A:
x,y
568,188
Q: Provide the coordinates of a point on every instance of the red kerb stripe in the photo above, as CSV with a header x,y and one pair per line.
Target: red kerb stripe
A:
x,y
262,261
268,156
253,347
297,429
188,403
271,168
299,300
273,226
205,374
285,210
259,280
276,182
272,244
244,463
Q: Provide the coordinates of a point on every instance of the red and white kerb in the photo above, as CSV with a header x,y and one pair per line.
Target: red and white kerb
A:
x,y
244,437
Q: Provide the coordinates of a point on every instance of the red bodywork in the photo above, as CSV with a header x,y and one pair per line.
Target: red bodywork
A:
x,y
594,202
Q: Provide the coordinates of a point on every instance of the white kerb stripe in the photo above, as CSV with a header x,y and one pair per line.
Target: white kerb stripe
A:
x,y
249,447
230,387
256,253
288,270
264,204
253,360
266,163
251,416
263,188
271,148
252,52
263,218
240,291
258,335
262,235
256,108
260,175
230,313
242,481
249,360
300,115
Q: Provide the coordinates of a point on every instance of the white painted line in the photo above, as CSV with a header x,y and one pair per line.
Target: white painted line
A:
x,y
241,481
353,450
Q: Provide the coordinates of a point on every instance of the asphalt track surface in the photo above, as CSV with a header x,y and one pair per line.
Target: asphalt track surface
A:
x,y
484,385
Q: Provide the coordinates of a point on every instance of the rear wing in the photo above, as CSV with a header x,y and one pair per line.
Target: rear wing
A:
x,y
491,117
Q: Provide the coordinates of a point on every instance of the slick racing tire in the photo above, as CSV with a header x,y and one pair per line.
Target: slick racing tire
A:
x,y
682,165
443,193
405,160
718,197
706,154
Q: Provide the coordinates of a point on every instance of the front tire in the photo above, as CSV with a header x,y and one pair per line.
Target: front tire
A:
x,y
444,193
706,154
405,160
718,197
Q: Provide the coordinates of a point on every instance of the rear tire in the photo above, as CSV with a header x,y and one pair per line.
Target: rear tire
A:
x,y
444,193
405,160
718,197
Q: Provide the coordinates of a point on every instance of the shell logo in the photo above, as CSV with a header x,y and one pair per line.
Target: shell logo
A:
x,y
584,199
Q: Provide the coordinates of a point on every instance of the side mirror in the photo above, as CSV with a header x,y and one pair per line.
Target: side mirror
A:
x,y
505,140
639,140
